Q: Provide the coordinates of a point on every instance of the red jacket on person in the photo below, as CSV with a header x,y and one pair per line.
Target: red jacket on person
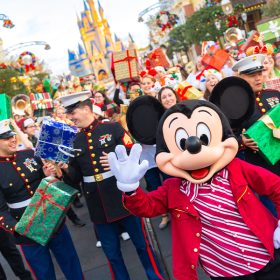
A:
x,y
186,225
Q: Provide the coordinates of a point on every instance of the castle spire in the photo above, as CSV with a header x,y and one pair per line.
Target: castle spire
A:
x,y
86,6
81,50
71,55
100,9
131,38
94,14
116,38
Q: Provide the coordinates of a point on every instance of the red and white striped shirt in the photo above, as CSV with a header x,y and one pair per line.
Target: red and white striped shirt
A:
x,y
228,247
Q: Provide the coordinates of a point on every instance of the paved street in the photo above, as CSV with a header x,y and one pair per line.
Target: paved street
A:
x,y
93,260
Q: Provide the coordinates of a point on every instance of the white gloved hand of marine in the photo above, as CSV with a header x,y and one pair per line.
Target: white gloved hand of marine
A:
x,y
126,168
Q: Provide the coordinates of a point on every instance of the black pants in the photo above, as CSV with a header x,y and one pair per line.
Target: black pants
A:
x,y
270,272
13,257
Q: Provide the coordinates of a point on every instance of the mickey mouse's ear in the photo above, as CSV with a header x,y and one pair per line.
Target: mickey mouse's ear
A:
x,y
236,99
142,117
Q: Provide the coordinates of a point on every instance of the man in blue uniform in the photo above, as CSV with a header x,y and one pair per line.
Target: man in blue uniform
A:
x,y
95,140
21,174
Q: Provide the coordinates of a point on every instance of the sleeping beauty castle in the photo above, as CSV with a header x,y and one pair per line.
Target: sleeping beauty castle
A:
x,y
94,54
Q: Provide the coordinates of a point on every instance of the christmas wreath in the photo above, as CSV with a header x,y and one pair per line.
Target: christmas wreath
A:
x,y
27,60
166,20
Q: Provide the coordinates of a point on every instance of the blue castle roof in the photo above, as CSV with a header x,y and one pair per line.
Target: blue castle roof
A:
x,y
81,50
71,55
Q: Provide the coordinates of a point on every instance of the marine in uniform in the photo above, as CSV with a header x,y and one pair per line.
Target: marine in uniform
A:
x,y
250,69
21,174
104,200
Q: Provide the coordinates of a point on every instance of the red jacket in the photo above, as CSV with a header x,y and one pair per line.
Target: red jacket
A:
x,y
186,224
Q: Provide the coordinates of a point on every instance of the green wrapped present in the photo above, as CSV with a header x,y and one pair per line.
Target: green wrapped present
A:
x,y
266,133
46,210
5,107
270,30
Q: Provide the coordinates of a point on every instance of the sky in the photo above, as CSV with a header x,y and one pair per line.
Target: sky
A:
x,y
55,22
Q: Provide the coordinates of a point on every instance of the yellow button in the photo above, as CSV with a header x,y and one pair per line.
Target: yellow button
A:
x,y
22,174
96,170
26,180
193,267
195,250
263,110
14,163
94,162
18,168
89,134
198,234
106,145
31,192
90,147
91,127
260,104
11,184
28,186
7,159
11,229
258,99
178,215
92,155
90,140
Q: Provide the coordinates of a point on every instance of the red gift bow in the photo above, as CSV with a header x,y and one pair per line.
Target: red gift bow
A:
x,y
181,92
42,202
198,77
128,58
260,49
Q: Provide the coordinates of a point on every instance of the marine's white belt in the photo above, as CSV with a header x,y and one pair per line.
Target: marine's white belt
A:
x,y
98,177
19,204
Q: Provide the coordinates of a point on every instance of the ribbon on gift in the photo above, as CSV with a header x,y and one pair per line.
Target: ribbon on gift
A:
x,y
273,27
268,121
41,103
181,92
127,59
45,197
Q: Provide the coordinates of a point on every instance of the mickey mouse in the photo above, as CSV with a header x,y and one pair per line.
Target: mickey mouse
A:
x,y
217,219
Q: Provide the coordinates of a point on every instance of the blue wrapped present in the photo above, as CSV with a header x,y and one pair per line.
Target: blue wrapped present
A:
x,y
56,141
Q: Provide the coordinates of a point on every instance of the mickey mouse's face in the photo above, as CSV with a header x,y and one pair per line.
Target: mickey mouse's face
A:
x,y
196,148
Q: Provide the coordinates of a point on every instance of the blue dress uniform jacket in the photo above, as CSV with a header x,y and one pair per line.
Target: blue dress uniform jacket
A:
x,y
103,198
265,100
20,176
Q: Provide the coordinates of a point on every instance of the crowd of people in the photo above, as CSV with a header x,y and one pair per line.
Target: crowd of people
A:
x,y
102,127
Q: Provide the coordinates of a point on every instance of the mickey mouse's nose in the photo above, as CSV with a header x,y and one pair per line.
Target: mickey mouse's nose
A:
x,y
193,144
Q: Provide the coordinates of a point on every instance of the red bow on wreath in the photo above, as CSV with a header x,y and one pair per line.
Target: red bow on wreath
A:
x,y
29,67
232,21
259,49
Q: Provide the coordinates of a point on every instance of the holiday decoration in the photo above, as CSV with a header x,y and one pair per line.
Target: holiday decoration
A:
x,y
158,58
27,60
215,58
46,210
270,30
56,141
266,133
5,107
273,84
125,66
166,20
186,91
41,101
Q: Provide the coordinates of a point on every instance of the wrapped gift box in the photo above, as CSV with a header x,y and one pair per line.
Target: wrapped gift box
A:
x,y
125,66
41,101
273,84
266,133
270,30
186,91
215,58
46,210
55,141
158,58
5,107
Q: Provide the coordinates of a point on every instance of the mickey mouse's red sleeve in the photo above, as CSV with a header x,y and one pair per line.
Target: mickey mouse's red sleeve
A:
x,y
123,138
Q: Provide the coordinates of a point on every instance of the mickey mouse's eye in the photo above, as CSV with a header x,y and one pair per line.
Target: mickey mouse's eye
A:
x,y
181,137
203,133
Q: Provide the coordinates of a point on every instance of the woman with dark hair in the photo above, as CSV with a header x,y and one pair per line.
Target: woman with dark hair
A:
x,y
168,97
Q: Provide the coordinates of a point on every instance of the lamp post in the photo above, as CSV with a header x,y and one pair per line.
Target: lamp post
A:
x,y
227,7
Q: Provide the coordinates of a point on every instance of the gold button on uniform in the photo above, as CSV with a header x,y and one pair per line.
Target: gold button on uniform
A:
x,y
195,250
89,134
14,163
96,170
7,159
92,155
90,147
258,99
260,104
90,140
11,184
22,174
263,110
28,186
94,162
26,180
106,145
18,168
31,192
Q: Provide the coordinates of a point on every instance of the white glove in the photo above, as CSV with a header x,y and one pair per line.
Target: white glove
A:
x,y
127,169
276,237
